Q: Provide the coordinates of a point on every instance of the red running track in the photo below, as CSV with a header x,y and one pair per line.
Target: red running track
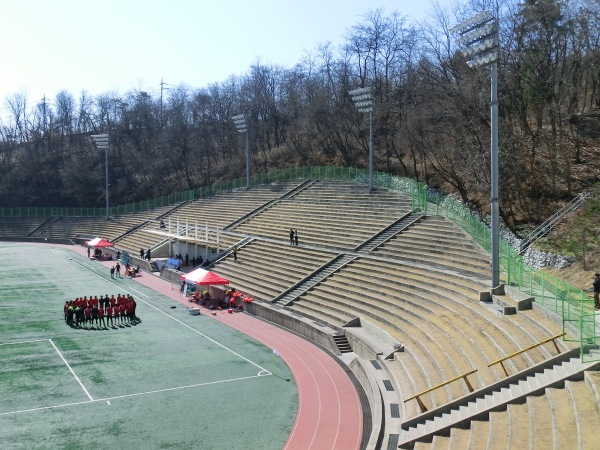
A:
x,y
329,409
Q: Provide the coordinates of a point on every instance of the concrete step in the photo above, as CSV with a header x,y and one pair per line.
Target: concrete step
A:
x,y
586,412
477,406
564,430
459,438
540,418
498,436
519,426
480,430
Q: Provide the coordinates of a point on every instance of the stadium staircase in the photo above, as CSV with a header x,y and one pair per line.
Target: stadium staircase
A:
x,y
389,232
268,204
553,221
287,297
342,343
43,226
479,404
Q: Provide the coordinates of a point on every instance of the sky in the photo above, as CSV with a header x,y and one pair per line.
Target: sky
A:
x,y
119,45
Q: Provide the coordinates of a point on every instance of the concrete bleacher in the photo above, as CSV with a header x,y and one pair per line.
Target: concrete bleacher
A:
x,y
337,215
560,418
421,287
220,210
437,241
110,228
265,269
425,314
16,227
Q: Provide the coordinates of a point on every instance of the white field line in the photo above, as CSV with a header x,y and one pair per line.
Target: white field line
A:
x,y
41,408
178,321
135,290
24,342
107,399
157,391
71,370
262,369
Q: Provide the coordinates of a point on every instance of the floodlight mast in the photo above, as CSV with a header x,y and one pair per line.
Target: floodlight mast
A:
x,y
240,124
479,36
101,141
363,100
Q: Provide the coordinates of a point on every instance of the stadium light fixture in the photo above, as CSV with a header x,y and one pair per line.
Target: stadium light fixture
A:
x,y
479,37
101,141
363,100
240,124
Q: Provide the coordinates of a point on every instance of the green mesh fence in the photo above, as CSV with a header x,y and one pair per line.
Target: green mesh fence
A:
x,y
572,304
144,205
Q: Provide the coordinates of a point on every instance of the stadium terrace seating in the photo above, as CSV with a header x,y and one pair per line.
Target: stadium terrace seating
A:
x,y
139,238
436,241
109,229
265,269
329,214
15,227
544,421
222,209
424,310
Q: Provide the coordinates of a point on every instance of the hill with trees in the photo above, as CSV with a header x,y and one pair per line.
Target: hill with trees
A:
x,y
431,118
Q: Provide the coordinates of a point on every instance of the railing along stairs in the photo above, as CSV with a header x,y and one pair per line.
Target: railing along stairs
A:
x,y
551,222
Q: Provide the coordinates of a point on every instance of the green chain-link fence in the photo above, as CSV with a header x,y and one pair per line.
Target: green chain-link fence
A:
x,y
144,205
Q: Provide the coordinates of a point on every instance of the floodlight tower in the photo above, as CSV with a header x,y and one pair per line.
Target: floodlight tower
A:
x,y
101,141
363,100
240,124
481,44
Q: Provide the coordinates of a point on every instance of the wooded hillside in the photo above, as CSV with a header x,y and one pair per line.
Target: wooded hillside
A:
x,y
431,117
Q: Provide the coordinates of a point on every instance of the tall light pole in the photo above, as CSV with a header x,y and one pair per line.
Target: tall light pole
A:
x,y
479,37
363,99
101,141
240,124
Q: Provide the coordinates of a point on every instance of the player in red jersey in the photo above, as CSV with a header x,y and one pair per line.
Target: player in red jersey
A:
x,y
109,315
101,316
88,316
122,309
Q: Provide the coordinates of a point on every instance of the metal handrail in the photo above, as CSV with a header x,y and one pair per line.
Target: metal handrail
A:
x,y
501,360
418,396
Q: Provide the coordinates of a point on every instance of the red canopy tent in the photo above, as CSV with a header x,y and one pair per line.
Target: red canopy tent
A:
x,y
203,277
99,242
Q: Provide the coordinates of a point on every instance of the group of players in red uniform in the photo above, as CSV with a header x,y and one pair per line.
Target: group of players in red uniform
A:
x,y
86,312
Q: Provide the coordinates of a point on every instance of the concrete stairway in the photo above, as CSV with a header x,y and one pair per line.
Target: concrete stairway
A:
x,y
261,208
388,233
479,404
342,343
288,296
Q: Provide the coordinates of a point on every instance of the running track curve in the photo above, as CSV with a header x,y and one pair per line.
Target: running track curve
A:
x,y
329,409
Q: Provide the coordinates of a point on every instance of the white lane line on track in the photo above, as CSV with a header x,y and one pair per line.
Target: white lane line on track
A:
x,y
71,370
292,339
316,385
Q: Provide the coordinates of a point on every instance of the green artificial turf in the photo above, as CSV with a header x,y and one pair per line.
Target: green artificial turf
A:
x,y
169,381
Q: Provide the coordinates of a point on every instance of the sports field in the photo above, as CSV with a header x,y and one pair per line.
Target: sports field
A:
x,y
170,381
